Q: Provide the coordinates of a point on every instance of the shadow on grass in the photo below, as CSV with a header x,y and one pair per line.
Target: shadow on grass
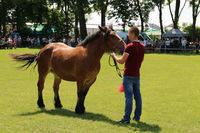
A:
x,y
136,126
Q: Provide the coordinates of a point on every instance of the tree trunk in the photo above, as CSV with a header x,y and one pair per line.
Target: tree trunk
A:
x,y
76,27
103,12
4,29
160,17
82,21
176,17
67,19
123,26
142,24
18,20
103,17
193,29
195,13
0,30
140,14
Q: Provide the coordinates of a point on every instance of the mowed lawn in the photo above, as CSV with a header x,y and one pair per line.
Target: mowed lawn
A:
x,y
170,87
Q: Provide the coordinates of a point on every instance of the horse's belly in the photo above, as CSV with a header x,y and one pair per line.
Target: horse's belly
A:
x,y
69,78
65,74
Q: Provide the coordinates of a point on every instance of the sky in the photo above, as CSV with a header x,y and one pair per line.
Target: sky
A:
x,y
186,16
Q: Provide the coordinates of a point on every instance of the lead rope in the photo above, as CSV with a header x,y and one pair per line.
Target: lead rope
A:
x,y
116,66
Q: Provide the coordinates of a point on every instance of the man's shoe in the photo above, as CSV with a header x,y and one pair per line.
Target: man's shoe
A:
x,y
123,121
136,119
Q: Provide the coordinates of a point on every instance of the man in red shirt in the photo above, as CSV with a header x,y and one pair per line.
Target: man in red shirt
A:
x,y
132,57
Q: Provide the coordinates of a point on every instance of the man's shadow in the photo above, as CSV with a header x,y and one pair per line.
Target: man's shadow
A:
x,y
137,126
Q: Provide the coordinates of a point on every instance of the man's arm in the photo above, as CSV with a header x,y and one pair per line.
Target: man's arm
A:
x,y
122,59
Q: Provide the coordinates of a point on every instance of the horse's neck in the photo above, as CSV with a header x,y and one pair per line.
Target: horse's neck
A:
x,y
96,49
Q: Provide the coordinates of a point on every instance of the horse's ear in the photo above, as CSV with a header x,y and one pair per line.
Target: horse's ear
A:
x,y
103,29
111,27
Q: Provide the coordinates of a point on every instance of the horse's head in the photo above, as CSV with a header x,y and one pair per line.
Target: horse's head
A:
x,y
112,40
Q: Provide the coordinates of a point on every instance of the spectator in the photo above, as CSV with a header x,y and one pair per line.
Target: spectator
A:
x,y
38,41
10,42
149,44
19,41
69,41
15,42
50,40
157,43
28,40
172,43
183,42
167,44
176,44
32,42
64,40
79,40
197,45
144,42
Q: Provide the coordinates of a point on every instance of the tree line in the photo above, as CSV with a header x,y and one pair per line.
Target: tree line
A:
x,y
65,15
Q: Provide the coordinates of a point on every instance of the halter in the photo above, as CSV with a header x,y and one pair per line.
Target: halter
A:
x,y
118,70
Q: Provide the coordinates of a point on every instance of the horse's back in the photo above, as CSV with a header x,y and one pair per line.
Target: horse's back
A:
x,y
62,59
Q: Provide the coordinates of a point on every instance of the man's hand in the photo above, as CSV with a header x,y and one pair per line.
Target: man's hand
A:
x,y
122,59
113,55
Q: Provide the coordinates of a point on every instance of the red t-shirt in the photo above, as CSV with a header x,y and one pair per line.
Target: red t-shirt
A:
x,y
136,51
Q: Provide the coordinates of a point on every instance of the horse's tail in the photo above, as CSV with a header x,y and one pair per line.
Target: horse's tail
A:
x,y
29,58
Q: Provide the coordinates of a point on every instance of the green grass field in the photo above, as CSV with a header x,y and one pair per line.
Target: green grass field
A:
x,y
169,86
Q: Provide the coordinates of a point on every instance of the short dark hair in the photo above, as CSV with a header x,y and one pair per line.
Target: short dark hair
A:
x,y
134,30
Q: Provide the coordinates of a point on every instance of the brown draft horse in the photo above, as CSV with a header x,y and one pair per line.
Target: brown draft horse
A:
x,y
80,64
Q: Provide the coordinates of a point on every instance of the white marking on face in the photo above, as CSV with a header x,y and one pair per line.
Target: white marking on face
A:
x,y
118,36
120,39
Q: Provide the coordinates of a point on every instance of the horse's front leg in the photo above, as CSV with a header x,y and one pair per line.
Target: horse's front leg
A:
x,y
82,92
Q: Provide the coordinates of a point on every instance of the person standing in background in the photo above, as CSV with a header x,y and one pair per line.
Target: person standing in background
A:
x,y
197,45
183,42
15,42
19,41
38,41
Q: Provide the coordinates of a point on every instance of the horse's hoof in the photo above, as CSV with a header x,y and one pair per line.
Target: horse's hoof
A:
x,y
40,104
79,110
58,106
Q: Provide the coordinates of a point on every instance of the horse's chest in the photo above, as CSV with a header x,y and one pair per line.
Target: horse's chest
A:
x,y
93,70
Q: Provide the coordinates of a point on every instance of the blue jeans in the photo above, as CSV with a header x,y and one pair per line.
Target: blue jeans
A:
x,y
132,87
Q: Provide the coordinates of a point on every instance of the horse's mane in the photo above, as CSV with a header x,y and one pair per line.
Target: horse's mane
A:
x,y
90,38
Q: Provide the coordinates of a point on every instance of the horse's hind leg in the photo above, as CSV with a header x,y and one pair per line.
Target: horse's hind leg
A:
x,y
57,82
40,85
43,71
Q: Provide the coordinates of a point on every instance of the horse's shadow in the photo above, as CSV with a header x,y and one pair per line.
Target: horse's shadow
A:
x,y
140,126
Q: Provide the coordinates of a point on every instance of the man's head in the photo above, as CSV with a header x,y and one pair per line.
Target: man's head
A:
x,y
133,33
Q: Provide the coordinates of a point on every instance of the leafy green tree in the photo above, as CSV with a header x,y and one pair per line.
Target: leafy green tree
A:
x,y
143,8
122,9
5,8
83,7
64,7
18,12
101,5
76,19
55,20
74,10
189,29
